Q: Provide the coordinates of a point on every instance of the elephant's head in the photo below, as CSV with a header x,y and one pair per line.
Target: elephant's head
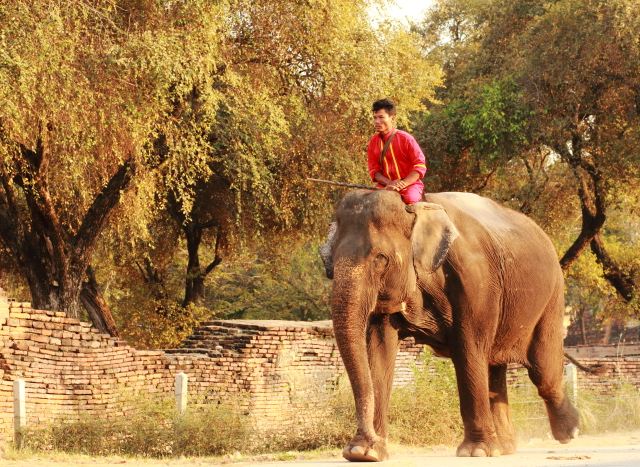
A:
x,y
382,248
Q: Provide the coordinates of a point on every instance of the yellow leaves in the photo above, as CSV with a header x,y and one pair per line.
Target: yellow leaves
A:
x,y
104,87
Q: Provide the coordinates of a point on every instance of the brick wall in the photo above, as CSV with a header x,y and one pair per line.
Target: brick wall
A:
x,y
278,368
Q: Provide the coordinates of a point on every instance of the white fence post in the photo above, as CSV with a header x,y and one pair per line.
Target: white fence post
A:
x,y
182,382
571,377
19,411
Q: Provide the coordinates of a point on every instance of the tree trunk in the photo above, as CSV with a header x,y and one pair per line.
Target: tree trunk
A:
x,y
620,280
54,259
194,283
583,329
52,283
153,279
606,337
97,309
592,199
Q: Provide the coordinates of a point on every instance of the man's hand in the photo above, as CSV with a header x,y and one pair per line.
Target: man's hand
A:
x,y
396,185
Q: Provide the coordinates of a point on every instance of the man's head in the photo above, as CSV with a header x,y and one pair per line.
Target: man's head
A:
x,y
384,115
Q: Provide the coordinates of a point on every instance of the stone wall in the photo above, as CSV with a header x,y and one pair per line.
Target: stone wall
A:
x,y
276,368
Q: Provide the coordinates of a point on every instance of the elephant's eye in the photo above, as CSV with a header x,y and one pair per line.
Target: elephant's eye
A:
x,y
380,263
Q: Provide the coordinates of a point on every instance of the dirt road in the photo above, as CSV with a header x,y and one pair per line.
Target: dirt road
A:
x,y
611,450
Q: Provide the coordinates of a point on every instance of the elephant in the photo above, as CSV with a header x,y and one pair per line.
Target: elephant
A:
x,y
477,282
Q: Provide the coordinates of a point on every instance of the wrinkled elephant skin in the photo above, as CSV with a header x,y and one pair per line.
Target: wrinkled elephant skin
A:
x,y
479,283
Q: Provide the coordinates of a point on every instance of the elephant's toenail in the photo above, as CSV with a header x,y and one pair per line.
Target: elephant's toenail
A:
x,y
477,452
463,452
372,453
357,450
575,432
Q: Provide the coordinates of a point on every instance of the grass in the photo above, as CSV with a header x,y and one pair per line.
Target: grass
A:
x,y
152,428
425,413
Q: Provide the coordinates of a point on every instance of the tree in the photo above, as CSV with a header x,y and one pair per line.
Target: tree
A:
x,y
86,90
296,82
574,67
588,109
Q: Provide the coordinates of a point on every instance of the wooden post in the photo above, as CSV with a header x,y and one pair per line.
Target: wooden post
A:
x,y
182,381
571,377
19,412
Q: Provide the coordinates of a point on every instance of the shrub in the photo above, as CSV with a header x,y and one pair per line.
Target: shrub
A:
x,y
151,427
427,412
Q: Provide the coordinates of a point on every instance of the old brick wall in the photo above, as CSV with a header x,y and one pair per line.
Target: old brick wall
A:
x,y
278,369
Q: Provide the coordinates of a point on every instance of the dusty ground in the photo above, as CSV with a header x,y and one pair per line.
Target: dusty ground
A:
x,y
616,449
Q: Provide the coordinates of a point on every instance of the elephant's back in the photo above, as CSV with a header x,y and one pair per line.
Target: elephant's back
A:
x,y
485,211
477,216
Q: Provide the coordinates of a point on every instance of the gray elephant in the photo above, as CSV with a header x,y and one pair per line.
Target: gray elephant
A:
x,y
477,282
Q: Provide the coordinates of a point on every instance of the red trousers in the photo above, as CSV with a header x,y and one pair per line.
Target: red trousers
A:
x,y
411,194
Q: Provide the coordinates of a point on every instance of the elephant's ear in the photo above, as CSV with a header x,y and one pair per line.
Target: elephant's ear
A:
x,y
326,250
431,237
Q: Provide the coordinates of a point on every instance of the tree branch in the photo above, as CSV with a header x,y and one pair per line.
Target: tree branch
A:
x,y
217,258
592,198
621,281
102,207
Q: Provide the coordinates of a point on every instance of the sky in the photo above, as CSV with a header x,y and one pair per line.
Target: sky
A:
x,y
402,10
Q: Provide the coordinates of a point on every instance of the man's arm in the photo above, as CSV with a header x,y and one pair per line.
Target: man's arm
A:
x,y
381,179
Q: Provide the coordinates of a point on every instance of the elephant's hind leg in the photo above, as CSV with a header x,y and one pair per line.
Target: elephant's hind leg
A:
x,y
546,372
499,402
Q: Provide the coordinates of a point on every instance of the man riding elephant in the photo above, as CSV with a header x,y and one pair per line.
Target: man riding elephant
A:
x,y
394,158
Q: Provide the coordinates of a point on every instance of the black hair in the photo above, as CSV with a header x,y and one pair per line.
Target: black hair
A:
x,y
386,104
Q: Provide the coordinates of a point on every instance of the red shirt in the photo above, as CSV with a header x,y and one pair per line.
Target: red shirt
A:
x,y
403,156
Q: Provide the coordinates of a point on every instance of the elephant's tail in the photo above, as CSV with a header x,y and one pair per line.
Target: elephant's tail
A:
x,y
597,369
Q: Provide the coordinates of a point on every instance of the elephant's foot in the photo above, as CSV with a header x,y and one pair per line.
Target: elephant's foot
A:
x,y
361,449
564,422
479,449
507,444
506,437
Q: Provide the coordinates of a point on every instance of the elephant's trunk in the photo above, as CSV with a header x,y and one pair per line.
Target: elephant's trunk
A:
x,y
351,304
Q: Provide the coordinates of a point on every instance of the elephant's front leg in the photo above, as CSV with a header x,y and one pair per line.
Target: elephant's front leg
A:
x,y
382,347
472,373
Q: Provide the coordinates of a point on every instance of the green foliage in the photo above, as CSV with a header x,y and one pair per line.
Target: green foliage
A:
x,y
468,138
244,97
163,326
497,121
96,83
282,281
540,111
288,283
